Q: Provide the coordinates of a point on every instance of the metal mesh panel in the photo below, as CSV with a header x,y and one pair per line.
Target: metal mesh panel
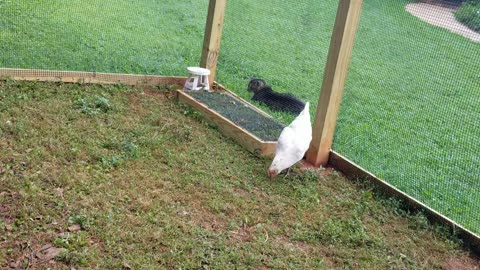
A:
x,y
410,111
284,43
123,36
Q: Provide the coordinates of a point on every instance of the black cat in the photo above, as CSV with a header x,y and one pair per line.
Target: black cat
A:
x,y
276,101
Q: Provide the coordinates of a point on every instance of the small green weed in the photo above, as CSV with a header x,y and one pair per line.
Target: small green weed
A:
x,y
93,105
122,151
74,257
74,246
81,220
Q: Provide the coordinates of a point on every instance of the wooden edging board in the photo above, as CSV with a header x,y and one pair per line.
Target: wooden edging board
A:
x,y
88,77
251,142
355,172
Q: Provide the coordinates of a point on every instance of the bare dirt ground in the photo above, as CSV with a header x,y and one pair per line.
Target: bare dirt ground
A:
x,y
441,16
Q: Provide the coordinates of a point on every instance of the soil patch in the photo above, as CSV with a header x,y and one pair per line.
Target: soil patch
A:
x,y
265,128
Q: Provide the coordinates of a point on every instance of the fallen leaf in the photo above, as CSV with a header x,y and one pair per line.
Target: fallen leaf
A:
x,y
49,253
59,192
14,264
74,228
184,213
62,235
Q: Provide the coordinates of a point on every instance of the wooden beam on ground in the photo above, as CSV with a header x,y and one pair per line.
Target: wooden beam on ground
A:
x,y
87,77
354,172
213,36
341,45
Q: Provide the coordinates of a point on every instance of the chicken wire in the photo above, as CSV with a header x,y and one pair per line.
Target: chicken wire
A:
x,y
121,36
284,43
410,111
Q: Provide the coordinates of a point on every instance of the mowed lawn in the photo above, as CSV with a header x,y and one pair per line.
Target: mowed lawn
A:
x,y
409,113
147,37
111,177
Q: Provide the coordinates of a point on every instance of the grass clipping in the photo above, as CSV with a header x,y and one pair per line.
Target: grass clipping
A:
x,y
265,128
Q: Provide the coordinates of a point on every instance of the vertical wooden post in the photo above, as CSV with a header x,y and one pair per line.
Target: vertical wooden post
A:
x,y
341,45
212,37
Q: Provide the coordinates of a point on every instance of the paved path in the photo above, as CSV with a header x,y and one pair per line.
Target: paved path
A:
x,y
442,17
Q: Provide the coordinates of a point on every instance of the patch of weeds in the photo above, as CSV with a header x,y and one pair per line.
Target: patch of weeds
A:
x,y
74,257
189,111
450,236
75,247
111,162
81,220
126,149
349,232
402,261
120,87
306,195
397,206
13,128
93,105
165,88
419,221
130,149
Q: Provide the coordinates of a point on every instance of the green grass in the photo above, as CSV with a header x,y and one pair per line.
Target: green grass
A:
x,y
469,14
409,112
104,36
181,196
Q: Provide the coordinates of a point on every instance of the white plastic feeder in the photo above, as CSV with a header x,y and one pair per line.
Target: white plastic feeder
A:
x,y
198,79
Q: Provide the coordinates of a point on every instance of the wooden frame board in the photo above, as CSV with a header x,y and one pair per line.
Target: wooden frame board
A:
x,y
334,76
354,172
248,140
88,77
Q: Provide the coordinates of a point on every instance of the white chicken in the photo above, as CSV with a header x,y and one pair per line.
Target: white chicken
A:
x,y
292,143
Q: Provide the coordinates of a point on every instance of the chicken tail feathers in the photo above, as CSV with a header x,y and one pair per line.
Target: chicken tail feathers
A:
x,y
306,109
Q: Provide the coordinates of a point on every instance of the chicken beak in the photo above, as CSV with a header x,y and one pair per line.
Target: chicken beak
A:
x,y
271,174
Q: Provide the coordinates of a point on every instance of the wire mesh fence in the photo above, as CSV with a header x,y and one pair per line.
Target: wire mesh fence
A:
x,y
283,43
410,111
125,36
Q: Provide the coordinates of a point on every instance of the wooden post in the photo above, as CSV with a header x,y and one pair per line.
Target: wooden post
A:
x,y
212,37
341,45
